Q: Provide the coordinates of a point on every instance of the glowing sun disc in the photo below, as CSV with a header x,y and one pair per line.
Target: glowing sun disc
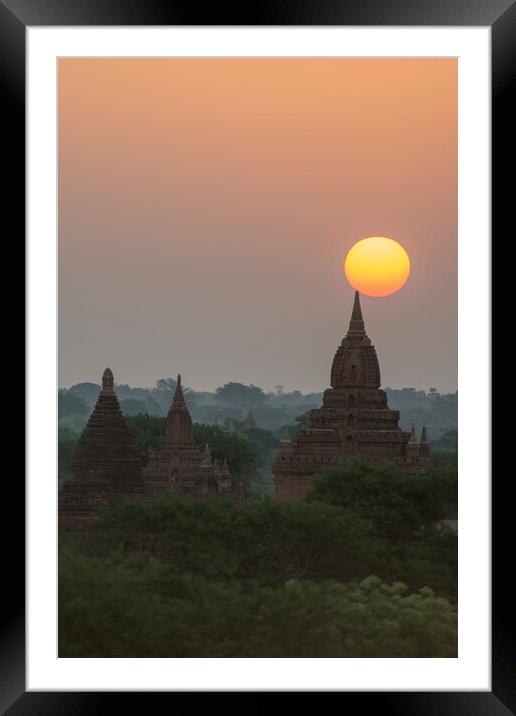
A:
x,y
377,266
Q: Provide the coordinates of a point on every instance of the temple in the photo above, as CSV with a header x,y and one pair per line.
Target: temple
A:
x,y
180,466
249,422
354,419
106,464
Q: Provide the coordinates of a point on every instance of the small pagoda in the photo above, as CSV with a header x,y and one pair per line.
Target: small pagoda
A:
x,y
249,422
180,465
106,465
354,419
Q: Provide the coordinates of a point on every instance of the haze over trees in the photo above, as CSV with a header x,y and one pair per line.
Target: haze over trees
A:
x,y
271,409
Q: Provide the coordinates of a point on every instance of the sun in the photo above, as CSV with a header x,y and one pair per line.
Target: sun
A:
x,y
377,266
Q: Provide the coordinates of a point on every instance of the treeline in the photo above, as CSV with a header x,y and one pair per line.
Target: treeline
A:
x,y
361,568
231,402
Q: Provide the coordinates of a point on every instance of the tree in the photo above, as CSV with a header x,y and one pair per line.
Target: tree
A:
x,y
89,392
70,404
243,454
398,504
167,385
134,406
242,396
148,431
115,606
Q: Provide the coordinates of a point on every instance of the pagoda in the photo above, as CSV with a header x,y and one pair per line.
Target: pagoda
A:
x,y
249,422
354,419
106,466
179,465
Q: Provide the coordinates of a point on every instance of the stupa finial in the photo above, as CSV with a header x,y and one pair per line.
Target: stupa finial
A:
x,y
107,381
356,324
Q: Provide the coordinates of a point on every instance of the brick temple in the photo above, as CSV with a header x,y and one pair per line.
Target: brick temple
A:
x,y
179,465
106,465
354,419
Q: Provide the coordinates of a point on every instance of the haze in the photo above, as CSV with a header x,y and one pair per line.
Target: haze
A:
x,y
206,207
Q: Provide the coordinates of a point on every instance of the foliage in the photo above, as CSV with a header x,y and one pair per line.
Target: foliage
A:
x,y
70,404
448,441
269,542
397,504
243,454
140,608
437,411
274,409
243,396
260,540
135,406
265,437
89,392
148,431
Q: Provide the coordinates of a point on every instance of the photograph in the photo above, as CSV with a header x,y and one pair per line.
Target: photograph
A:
x,y
257,299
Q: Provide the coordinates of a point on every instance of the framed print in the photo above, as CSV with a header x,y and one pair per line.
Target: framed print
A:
x,y
258,292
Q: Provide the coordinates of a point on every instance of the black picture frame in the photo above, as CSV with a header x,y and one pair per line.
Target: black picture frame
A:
x,y
15,17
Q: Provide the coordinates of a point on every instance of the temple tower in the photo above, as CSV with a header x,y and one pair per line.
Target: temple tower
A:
x,y
180,466
354,419
106,463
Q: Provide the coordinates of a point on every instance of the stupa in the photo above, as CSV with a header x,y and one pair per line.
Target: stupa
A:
x,y
106,465
354,419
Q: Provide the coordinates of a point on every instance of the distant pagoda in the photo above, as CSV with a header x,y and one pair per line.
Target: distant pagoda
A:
x,y
249,422
354,419
106,466
180,466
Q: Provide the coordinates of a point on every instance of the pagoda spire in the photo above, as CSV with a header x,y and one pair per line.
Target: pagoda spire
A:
x,y
356,324
107,381
179,423
424,447
179,398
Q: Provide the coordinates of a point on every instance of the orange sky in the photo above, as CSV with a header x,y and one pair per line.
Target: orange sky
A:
x,y
206,207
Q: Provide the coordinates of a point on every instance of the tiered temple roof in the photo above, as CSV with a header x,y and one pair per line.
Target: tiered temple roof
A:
x,y
180,466
106,464
354,418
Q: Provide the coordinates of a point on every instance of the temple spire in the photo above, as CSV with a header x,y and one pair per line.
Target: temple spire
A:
x,y
413,438
424,447
179,398
107,381
179,423
356,324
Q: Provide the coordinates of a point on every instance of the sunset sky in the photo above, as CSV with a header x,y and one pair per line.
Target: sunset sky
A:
x,y
206,207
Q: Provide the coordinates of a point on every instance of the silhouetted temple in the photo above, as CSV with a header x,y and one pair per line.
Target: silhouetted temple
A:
x,y
106,464
180,466
354,418
249,422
